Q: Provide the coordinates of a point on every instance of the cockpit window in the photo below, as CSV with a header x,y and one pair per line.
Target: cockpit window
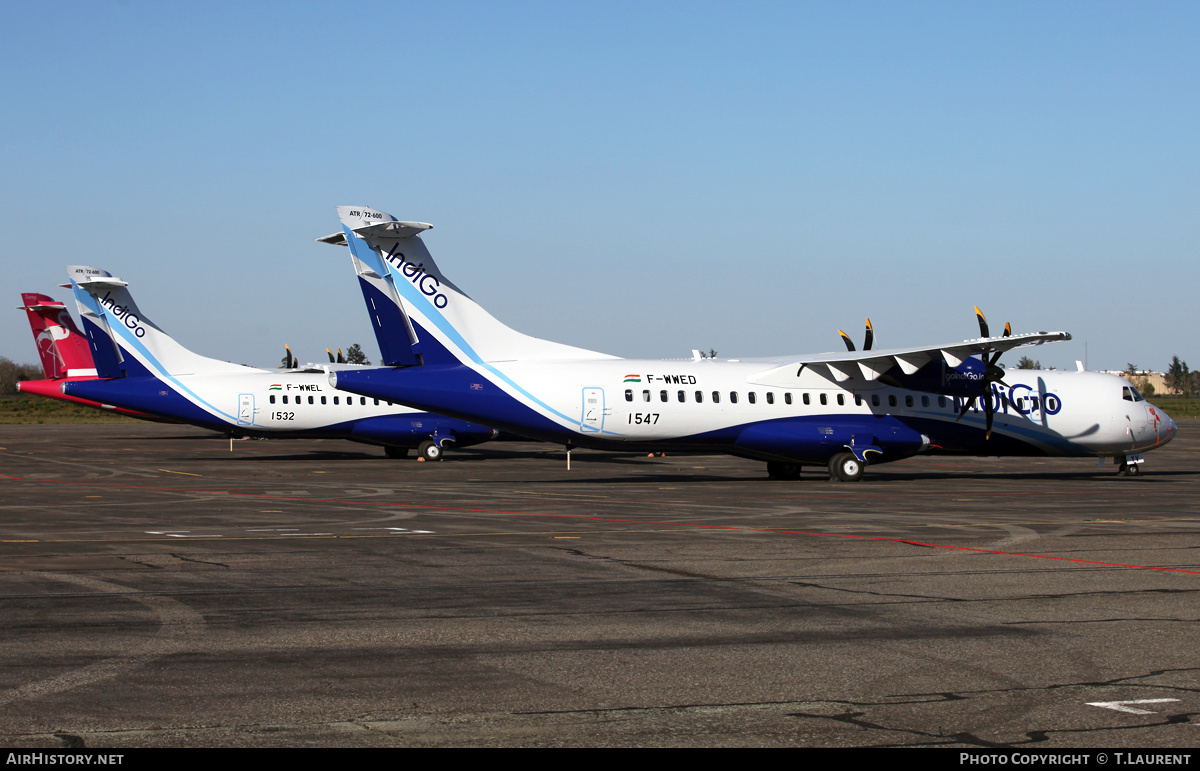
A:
x,y
1130,394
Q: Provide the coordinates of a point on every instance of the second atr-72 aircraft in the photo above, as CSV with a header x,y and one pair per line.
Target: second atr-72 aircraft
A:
x,y
840,411
142,368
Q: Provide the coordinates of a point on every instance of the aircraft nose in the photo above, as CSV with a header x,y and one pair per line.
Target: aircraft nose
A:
x,y
1167,428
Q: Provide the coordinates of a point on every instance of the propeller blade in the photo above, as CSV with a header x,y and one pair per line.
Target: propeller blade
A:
x,y
987,411
869,338
341,359
966,406
847,341
1007,333
983,326
330,355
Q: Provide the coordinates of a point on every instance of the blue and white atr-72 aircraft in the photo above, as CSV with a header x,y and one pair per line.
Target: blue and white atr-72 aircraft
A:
x,y
142,368
842,410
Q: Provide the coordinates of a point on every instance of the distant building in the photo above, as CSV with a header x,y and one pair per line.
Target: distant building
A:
x,y
1157,381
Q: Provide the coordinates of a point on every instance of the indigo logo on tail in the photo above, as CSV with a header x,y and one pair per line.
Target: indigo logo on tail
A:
x,y
416,275
122,313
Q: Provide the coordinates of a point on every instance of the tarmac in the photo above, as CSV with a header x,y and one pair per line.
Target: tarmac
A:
x,y
160,589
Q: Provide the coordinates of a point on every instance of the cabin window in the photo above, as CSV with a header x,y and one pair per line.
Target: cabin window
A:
x,y
645,396
310,400
804,398
1051,403
908,400
662,396
941,401
841,400
272,398
362,400
770,397
681,396
924,401
699,397
857,400
716,397
628,394
322,400
787,398
750,397
891,400
733,397
376,402
824,400
335,400
874,400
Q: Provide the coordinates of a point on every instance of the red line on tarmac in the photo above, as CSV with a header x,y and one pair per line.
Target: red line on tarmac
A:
x,y
613,519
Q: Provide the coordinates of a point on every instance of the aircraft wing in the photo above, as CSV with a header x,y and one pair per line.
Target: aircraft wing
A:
x,y
871,365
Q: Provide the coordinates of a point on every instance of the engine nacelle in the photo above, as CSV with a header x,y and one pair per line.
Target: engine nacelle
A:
x,y
971,378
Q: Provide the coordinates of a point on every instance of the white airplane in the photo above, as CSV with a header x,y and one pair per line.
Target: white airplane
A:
x,y
142,368
840,411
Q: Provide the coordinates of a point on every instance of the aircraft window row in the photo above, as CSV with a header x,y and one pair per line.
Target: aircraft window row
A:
x,y
362,400
893,400
751,397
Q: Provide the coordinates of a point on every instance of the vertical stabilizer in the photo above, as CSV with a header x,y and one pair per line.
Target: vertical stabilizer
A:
x,y
62,348
437,321
106,304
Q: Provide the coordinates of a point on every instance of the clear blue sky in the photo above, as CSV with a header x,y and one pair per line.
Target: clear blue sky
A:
x,y
641,178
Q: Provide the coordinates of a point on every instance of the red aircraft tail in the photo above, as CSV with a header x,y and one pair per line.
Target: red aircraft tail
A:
x,y
62,347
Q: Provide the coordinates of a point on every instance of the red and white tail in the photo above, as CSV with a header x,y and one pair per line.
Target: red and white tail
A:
x,y
61,346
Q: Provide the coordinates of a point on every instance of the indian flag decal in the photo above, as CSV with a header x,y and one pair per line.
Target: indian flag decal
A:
x,y
633,378
276,387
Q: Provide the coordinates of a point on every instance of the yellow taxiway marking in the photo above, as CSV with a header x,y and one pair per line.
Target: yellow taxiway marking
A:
x,y
185,473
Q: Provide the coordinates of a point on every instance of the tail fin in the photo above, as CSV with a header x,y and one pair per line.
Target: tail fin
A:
x,y
141,347
420,316
61,346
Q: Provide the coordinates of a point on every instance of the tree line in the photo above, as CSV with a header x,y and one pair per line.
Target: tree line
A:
x,y
1182,379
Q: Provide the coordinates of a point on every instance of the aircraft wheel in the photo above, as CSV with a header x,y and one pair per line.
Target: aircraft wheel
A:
x,y
778,470
845,467
430,450
395,452
1128,469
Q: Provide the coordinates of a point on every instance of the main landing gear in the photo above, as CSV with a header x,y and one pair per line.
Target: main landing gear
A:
x,y
430,450
845,467
777,470
427,450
